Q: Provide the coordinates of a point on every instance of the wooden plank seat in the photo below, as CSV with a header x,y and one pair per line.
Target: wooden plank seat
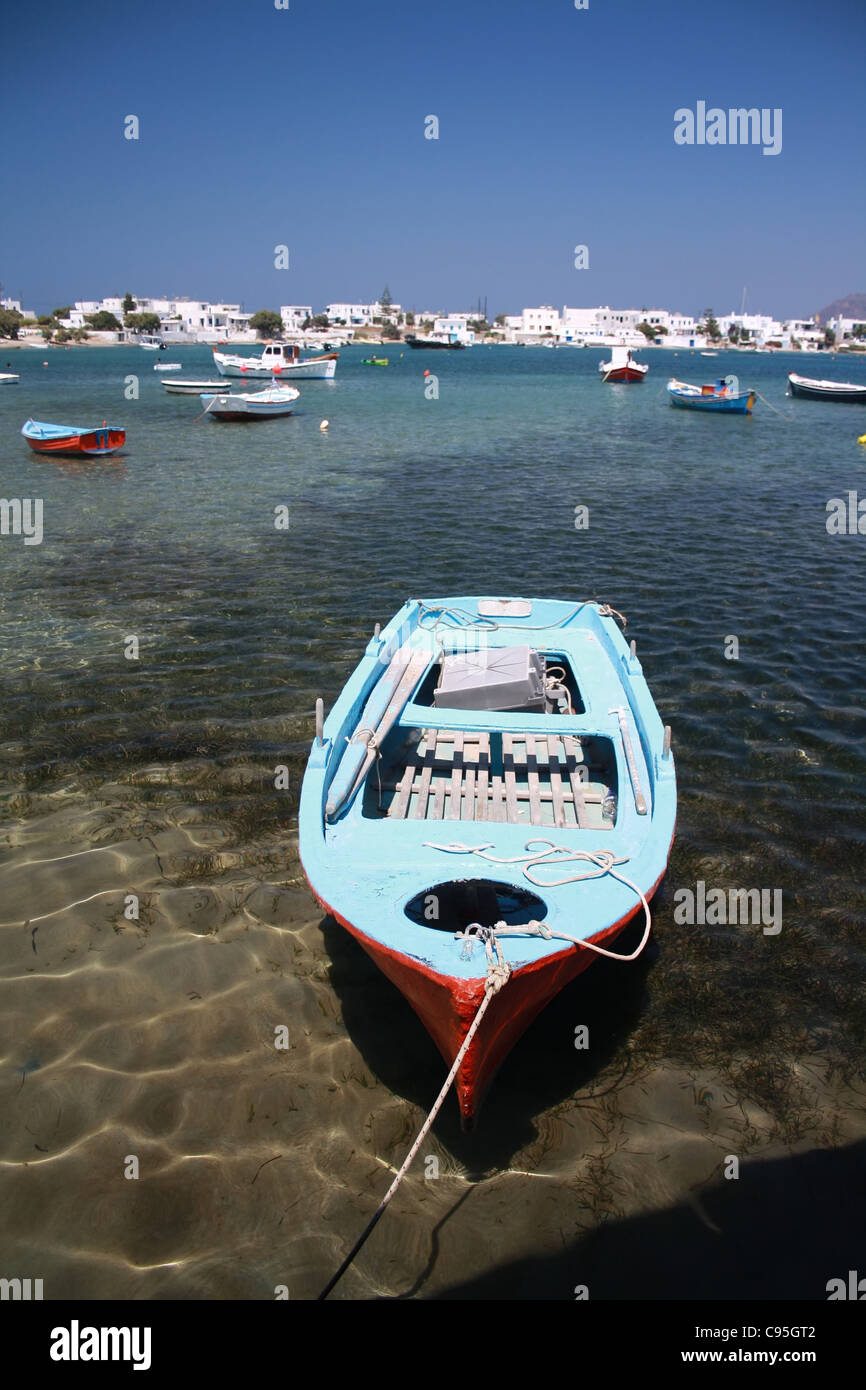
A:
x,y
527,779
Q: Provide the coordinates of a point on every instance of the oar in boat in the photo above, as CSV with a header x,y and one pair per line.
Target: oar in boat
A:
x,y
375,721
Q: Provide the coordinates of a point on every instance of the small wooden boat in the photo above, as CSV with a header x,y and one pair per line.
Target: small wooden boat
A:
x,y
177,387
251,405
8,378
282,360
622,367
167,367
719,397
826,390
70,439
493,785
374,361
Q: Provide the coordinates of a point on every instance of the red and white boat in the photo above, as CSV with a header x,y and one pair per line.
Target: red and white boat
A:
x,y
280,360
622,366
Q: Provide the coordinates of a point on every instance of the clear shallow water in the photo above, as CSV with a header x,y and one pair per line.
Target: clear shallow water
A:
x,y
156,778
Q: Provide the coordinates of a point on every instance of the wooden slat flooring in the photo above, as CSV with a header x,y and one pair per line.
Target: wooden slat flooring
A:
x,y
541,781
456,797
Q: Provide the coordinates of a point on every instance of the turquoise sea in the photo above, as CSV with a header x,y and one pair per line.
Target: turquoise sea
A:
x,y
152,1039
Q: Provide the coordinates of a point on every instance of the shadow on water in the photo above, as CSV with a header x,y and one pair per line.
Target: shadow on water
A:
x,y
543,1069
781,1231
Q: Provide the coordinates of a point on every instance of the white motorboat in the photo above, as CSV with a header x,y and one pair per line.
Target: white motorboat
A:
x,y
281,360
251,405
176,387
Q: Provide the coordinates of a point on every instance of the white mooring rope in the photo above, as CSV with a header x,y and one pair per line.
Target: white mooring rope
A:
x,y
499,972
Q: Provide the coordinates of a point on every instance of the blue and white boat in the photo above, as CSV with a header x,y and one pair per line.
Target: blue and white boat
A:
x,y
720,397
491,799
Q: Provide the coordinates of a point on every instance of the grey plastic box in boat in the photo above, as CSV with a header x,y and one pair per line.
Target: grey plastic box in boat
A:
x,y
493,678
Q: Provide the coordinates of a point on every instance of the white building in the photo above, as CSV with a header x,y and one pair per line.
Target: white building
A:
x,y
603,326
753,328
352,315
15,306
361,315
844,328
294,316
541,322
454,327
807,332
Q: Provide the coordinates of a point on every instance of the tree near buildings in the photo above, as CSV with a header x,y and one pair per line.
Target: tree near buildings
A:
x,y
10,322
142,323
267,323
709,326
103,321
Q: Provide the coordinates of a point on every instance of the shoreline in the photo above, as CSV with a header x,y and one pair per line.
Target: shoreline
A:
x,y
14,345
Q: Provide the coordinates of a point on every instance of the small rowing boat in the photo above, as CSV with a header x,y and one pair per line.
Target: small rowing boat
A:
x,y
492,796
192,388
8,378
70,439
167,366
251,405
813,390
622,367
374,361
721,398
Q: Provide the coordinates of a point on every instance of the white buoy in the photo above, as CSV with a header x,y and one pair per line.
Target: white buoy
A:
x,y
323,425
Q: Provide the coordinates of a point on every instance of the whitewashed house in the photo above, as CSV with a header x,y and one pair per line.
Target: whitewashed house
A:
x,y
294,316
454,327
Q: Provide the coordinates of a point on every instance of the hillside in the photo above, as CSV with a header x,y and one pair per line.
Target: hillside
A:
x,y
853,306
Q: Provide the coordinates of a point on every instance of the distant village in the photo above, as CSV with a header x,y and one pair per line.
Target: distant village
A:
x,y
118,319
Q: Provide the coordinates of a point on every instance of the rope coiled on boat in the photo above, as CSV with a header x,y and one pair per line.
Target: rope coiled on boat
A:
x,y
604,861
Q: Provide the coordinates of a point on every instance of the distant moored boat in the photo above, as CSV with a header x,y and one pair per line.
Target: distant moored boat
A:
x,y
414,341
622,367
70,439
719,398
176,387
282,360
251,405
826,390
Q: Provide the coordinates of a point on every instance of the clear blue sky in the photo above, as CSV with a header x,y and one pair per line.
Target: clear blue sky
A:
x,y
306,127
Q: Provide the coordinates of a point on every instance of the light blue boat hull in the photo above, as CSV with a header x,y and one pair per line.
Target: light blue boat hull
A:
x,y
367,868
